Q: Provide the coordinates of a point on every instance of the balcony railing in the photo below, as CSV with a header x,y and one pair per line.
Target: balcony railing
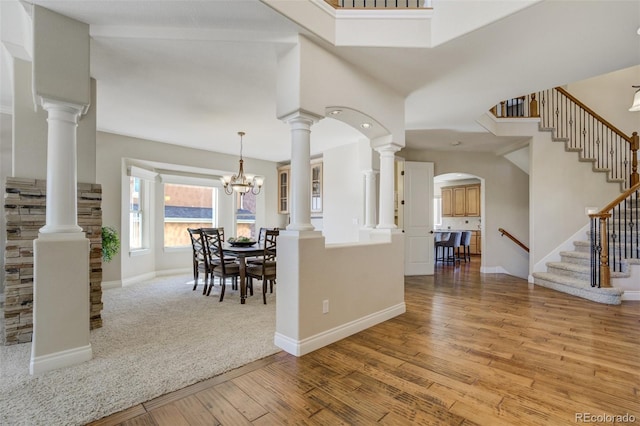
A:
x,y
584,130
380,4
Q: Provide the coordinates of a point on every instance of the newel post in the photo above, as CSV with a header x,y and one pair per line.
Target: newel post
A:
x,y
533,106
605,273
635,142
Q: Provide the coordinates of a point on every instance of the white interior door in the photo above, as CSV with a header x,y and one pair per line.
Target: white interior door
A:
x,y
418,218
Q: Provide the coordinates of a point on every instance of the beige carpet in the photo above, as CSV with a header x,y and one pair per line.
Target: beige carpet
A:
x,y
158,336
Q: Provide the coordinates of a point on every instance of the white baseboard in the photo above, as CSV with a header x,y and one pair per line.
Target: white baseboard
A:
x,y
310,344
631,295
138,278
152,275
493,270
179,271
66,358
106,285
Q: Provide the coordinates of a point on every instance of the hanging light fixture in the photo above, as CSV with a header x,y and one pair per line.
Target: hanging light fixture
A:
x,y
636,99
242,183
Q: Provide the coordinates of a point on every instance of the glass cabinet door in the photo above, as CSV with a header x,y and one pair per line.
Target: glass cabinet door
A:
x,y
316,187
283,190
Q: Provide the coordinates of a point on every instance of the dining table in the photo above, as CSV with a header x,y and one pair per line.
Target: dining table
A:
x,y
241,252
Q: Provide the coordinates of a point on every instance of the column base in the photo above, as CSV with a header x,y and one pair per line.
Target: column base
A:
x,y
61,305
66,358
62,229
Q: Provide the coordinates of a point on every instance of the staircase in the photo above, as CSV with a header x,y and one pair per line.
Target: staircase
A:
x,y
612,152
572,275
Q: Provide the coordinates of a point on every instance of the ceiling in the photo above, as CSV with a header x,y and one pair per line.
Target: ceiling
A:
x,y
194,73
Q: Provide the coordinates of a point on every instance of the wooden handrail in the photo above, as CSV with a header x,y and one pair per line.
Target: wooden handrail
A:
x,y
617,201
514,239
594,114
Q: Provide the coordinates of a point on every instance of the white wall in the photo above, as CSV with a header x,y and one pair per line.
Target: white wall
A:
x,y
311,79
112,150
5,170
362,283
561,189
504,203
61,57
611,95
343,192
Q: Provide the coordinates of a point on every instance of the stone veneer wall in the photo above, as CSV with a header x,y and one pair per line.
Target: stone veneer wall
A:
x,y
24,207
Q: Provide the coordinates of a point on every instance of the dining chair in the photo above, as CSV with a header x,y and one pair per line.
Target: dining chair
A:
x,y
265,271
261,237
219,266
199,257
449,247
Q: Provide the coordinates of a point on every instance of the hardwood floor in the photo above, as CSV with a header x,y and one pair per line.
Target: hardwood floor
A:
x,y
471,349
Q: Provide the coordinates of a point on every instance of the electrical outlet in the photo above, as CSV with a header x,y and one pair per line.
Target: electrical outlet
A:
x,y
325,306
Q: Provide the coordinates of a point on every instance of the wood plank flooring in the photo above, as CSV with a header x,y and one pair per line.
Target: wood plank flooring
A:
x,y
472,349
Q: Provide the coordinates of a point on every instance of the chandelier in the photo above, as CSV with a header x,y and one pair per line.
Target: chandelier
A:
x,y
242,183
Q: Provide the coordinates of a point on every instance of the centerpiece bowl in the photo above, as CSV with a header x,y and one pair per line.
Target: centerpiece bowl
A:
x,y
242,243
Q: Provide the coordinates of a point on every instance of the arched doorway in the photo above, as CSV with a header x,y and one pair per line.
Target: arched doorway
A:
x,y
458,206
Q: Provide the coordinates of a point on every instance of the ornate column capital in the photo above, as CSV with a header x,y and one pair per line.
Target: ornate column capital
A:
x,y
301,119
388,149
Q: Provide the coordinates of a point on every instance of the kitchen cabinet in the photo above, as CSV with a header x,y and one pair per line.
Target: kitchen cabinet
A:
x,y
447,202
472,200
284,187
475,247
316,186
284,176
461,201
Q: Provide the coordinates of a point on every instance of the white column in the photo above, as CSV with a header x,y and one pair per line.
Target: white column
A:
x,y
387,159
300,124
370,198
61,306
62,210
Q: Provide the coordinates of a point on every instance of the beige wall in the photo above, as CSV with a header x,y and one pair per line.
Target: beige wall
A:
x,y
112,151
505,203
611,95
562,188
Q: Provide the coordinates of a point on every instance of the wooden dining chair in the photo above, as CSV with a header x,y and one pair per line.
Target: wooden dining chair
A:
x,y
261,237
199,257
219,266
265,271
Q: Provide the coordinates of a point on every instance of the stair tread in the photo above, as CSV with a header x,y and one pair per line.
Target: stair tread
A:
x,y
576,282
578,254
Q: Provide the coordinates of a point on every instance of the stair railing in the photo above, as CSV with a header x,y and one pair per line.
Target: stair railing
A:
x,y
614,236
514,239
380,4
583,129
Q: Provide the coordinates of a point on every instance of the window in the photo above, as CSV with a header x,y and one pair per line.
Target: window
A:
x,y
246,215
188,206
437,211
136,216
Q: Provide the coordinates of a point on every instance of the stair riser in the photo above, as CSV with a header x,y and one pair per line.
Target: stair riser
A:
x,y
586,276
576,260
585,293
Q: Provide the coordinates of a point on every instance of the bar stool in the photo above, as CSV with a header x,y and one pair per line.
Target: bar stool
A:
x,y
465,243
450,244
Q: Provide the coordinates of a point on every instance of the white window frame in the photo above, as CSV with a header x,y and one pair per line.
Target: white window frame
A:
x,y
145,177
437,211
